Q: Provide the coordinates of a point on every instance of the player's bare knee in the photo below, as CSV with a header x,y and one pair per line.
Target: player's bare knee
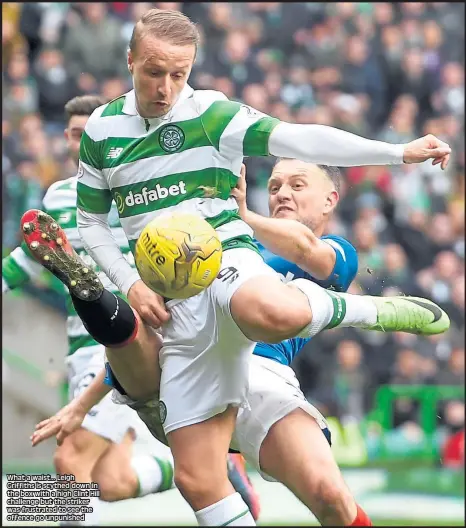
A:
x,y
333,501
193,487
116,482
65,460
70,458
185,483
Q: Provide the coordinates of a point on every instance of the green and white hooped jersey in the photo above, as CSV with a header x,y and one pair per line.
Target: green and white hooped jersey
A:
x,y
188,161
60,203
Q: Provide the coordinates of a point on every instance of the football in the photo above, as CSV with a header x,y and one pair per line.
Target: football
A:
x,y
178,256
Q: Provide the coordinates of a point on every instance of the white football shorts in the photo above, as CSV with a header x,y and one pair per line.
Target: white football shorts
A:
x,y
274,392
205,356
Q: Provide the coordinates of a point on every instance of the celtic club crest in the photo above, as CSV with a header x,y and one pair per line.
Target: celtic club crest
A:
x,y
162,411
171,138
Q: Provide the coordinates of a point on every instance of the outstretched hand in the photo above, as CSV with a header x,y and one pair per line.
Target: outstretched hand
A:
x,y
239,192
148,304
66,421
425,148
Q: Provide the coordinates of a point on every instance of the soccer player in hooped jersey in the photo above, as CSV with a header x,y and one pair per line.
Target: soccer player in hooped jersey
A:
x,y
167,138
101,450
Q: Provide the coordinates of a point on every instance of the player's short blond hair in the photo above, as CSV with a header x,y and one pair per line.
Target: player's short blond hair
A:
x,y
332,173
170,26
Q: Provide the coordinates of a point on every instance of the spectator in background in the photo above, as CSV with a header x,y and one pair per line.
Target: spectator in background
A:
x,y
396,270
412,234
400,127
93,55
351,381
451,413
362,76
113,87
415,80
235,61
455,304
453,372
441,233
453,448
55,87
135,13
21,87
433,47
256,95
29,26
282,21
349,114
450,96
297,91
456,214
366,241
46,168
323,43
12,39
407,371
23,191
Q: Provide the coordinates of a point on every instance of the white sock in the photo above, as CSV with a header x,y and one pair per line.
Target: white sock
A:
x,y
230,511
154,474
330,309
90,519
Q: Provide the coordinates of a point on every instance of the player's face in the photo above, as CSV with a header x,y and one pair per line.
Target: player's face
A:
x,y
301,191
160,71
73,134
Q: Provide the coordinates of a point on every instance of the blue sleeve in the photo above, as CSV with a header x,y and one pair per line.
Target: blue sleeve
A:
x,y
346,264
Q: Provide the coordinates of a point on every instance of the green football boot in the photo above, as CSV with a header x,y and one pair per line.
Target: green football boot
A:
x,y
413,315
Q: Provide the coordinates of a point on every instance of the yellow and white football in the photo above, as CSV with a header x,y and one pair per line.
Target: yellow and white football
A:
x,y
178,256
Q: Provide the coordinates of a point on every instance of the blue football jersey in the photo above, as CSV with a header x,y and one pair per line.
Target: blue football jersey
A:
x,y
344,271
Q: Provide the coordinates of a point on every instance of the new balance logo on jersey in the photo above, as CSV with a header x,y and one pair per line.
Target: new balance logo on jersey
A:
x,y
148,195
114,152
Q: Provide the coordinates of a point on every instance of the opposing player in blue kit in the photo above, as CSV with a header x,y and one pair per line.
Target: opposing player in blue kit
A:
x,y
281,433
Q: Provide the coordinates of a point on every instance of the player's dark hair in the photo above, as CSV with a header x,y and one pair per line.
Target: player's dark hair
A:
x,y
333,173
83,105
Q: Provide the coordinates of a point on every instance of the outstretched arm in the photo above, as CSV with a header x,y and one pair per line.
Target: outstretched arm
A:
x,y
331,146
70,418
287,238
239,130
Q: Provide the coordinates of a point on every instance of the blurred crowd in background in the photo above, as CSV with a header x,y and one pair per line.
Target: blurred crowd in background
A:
x,y
385,71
